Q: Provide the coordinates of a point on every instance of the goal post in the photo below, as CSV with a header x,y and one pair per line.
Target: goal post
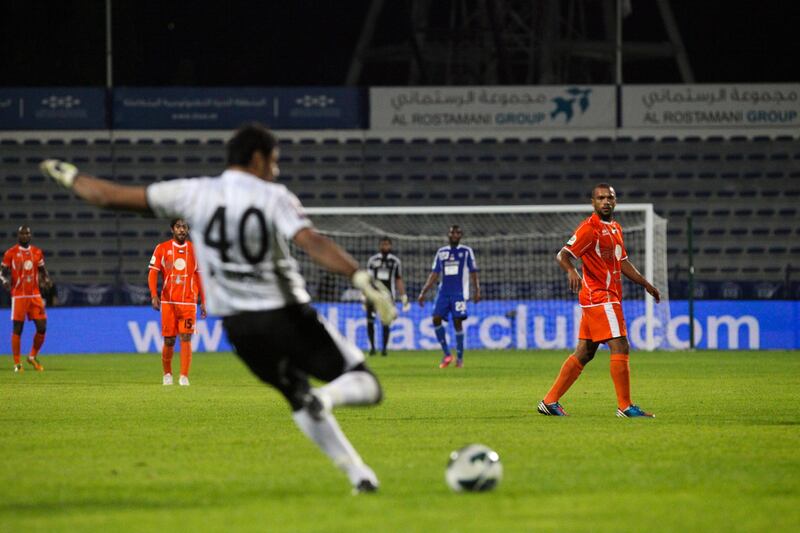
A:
x,y
526,303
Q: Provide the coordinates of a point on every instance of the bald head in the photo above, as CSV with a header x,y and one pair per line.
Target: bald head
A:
x,y
24,235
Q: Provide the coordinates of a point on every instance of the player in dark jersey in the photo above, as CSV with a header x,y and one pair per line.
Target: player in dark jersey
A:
x,y
386,268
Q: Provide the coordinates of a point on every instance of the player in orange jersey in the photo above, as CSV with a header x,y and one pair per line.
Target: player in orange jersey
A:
x,y
599,245
175,260
22,267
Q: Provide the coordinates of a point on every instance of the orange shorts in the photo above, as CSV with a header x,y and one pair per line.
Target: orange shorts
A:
x,y
177,319
602,322
31,307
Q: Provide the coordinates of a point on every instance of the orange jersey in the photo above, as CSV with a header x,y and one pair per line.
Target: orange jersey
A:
x,y
178,268
24,264
599,245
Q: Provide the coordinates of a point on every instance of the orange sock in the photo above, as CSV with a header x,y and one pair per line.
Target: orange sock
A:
x,y
38,340
186,357
621,375
166,358
15,350
570,371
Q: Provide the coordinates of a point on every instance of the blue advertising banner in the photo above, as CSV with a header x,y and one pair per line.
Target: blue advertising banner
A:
x,y
228,107
53,108
718,324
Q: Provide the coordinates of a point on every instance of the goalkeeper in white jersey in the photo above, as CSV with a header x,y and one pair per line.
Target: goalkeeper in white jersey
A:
x,y
244,222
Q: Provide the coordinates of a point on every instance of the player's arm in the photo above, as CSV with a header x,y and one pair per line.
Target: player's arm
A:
x,y
325,252
564,258
201,294
333,257
401,290
477,286
44,275
96,191
633,274
152,282
5,277
401,286
432,278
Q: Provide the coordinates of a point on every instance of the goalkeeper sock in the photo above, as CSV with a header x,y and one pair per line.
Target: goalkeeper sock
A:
x,y
186,357
166,358
621,375
38,340
15,347
386,333
570,371
460,345
442,337
371,334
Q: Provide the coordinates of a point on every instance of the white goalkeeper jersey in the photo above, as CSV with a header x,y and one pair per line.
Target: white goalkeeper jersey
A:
x,y
241,227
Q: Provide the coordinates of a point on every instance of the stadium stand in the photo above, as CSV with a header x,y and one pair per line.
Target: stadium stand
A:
x,y
741,192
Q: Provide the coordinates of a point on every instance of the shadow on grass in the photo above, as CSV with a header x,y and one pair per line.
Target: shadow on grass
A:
x,y
177,497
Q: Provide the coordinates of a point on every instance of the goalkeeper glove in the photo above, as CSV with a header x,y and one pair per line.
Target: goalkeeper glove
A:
x,y
404,301
377,294
62,172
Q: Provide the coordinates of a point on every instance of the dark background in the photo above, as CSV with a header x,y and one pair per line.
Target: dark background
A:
x,y
306,42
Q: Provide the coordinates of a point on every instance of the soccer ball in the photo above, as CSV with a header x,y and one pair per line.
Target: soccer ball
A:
x,y
473,468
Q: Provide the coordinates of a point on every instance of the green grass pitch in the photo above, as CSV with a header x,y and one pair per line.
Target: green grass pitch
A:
x,y
97,443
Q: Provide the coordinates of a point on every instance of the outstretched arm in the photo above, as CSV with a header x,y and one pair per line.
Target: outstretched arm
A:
x,y
325,252
635,276
333,257
96,191
433,278
103,193
564,259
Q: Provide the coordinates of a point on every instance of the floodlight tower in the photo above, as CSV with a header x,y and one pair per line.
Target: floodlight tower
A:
x,y
491,42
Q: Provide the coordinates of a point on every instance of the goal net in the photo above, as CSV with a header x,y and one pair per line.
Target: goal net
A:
x,y
525,303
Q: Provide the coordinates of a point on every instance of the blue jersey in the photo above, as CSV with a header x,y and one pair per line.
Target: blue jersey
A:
x,y
453,264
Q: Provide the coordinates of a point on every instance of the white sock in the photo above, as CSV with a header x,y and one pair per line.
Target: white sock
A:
x,y
329,437
352,388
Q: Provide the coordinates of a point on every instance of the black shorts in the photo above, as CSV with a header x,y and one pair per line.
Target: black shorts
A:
x,y
285,346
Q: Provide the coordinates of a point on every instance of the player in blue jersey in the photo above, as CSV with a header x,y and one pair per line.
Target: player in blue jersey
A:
x,y
452,264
